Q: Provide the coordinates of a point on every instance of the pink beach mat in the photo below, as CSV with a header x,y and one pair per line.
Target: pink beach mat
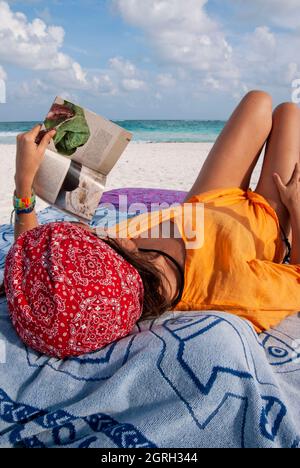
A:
x,y
145,196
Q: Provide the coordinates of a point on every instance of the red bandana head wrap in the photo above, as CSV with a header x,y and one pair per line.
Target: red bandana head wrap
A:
x,y
68,292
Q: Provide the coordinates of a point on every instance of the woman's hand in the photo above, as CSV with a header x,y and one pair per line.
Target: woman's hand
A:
x,y
290,193
30,156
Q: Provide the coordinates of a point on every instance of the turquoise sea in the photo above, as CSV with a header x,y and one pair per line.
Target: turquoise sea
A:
x,y
149,131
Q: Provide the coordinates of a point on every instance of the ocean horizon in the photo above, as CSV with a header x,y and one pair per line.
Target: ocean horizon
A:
x,y
144,131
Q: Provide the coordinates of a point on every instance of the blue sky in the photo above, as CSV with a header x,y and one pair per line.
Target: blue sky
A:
x,y
146,59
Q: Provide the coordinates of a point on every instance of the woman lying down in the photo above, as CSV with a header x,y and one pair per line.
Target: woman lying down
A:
x,y
71,291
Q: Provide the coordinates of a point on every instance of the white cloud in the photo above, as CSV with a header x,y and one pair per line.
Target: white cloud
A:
x,y
212,83
33,89
133,84
32,45
183,35
166,80
127,75
122,66
192,47
37,46
292,72
190,52
263,37
3,75
268,59
271,12
79,73
260,45
104,84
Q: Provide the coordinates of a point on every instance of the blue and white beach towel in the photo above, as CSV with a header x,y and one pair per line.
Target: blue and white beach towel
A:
x,y
185,380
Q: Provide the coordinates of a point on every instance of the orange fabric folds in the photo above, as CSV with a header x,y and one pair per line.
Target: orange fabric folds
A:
x,y
238,267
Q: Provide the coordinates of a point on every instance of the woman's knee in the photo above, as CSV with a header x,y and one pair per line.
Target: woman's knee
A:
x,y
286,109
260,107
260,99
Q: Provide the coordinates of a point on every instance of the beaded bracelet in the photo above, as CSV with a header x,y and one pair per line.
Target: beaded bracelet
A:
x,y
24,203
26,211
17,212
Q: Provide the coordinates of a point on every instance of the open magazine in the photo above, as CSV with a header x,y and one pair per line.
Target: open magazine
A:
x,y
85,148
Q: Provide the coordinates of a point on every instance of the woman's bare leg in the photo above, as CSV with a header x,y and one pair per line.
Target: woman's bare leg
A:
x,y
282,154
235,153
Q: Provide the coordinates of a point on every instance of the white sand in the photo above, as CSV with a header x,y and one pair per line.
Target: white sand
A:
x,y
158,165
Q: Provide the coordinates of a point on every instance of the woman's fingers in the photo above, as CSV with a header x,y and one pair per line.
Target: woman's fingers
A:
x,y
295,178
278,181
296,175
33,133
46,140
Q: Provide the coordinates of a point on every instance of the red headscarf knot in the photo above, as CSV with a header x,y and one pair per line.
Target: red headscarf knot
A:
x,y
68,292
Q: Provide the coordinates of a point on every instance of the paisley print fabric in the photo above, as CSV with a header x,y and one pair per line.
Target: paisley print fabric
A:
x,y
68,292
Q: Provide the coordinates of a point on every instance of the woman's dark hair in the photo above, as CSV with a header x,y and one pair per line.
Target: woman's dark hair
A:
x,y
155,297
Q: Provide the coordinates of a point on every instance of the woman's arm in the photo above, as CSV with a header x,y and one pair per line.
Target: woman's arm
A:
x,y
28,160
24,222
290,196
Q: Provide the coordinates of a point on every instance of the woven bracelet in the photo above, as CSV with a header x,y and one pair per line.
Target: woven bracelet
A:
x,y
19,212
23,203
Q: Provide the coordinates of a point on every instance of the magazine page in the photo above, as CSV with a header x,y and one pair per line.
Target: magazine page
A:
x,y
106,146
85,137
113,152
50,177
81,191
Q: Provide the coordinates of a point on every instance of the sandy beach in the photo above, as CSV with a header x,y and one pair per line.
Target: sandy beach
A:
x,y
156,165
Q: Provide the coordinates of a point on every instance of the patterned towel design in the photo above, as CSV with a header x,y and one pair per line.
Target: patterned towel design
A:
x,y
185,380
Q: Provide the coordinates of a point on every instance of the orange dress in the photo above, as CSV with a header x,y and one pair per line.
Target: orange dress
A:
x,y
238,266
